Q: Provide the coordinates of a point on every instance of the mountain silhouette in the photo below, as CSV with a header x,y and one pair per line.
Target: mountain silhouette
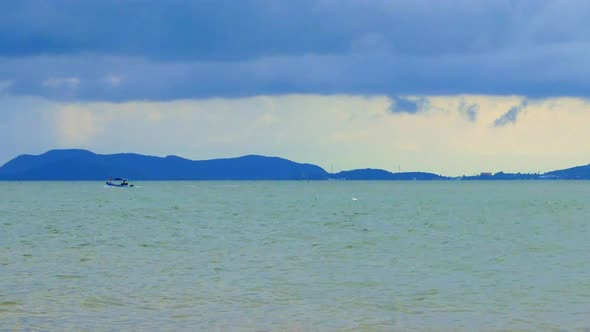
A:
x,y
75,164
86,165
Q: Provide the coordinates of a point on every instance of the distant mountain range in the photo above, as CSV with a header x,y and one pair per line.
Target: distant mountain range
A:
x,y
66,165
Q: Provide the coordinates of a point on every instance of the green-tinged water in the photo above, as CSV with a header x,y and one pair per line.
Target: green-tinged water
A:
x,y
295,256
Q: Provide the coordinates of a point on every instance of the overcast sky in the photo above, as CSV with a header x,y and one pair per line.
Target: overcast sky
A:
x,y
453,87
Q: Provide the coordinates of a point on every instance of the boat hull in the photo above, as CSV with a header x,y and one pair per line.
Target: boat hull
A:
x,y
110,184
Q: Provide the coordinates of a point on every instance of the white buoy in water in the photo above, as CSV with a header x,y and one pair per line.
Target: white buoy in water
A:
x,y
354,199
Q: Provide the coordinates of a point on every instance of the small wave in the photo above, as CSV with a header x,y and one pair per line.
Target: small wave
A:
x,y
10,306
9,303
94,302
69,276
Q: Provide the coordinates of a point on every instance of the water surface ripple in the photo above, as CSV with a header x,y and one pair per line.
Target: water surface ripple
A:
x,y
295,256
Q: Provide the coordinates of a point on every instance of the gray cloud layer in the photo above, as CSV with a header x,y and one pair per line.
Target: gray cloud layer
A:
x,y
116,50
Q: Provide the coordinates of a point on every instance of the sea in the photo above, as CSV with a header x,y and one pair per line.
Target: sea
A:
x,y
295,256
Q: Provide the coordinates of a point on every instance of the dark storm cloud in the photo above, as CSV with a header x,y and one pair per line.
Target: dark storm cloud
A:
x,y
408,105
511,116
233,29
469,110
178,49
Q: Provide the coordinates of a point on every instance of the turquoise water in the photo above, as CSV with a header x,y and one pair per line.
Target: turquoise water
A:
x,y
295,256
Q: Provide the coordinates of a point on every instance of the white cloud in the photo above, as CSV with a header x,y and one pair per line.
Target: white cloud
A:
x,y
113,80
62,82
344,131
77,126
25,126
5,85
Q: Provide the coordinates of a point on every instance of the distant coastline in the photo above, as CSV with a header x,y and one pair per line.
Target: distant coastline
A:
x,y
80,165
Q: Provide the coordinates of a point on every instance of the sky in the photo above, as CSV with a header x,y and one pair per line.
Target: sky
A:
x,y
450,87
